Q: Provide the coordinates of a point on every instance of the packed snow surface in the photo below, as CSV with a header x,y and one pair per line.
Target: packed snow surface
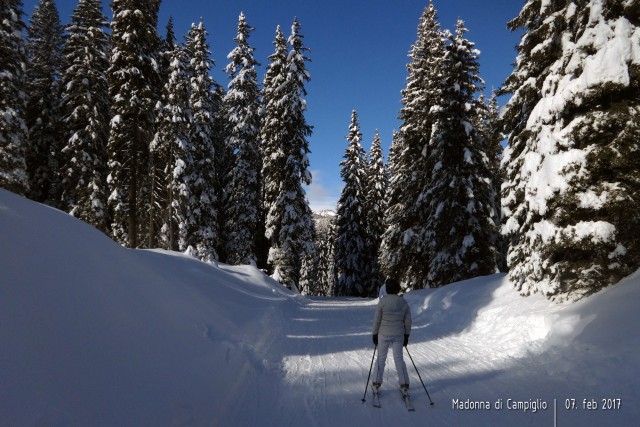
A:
x,y
92,334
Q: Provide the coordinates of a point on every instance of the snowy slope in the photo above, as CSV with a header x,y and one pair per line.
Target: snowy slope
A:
x,y
92,334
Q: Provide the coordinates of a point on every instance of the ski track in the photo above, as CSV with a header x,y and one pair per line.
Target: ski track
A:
x,y
324,374
328,349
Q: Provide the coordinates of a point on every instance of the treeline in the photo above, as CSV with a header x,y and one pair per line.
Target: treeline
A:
x,y
559,208
128,131
432,215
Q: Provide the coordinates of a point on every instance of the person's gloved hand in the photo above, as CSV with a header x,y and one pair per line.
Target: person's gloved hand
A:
x,y
375,339
406,340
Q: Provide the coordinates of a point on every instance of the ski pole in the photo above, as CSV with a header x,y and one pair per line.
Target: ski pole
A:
x,y
369,377
416,368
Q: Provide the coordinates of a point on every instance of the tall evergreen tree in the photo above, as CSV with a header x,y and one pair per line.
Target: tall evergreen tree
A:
x,y
275,140
154,48
201,133
351,231
301,227
376,197
460,227
289,222
492,132
298,162
272,131
159,170
404,254
13,131
45,44
85,110
392,159
166,50
325,241
489,126
172,144
133,89
571,166
222,162
242,105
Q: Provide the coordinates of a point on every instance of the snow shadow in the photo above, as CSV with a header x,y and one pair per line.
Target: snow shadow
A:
x,y
450,310
329,325
322,325
442,378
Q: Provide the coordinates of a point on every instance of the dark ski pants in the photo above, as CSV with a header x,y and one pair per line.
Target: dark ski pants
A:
x,y
395,343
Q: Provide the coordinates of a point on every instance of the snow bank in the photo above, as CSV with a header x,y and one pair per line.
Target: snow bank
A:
x,y
97,335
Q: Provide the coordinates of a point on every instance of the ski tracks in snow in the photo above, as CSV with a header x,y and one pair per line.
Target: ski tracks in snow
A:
x,y
328,352
321,346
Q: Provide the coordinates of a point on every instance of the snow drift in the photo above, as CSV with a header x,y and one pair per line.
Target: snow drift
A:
x,y
93,334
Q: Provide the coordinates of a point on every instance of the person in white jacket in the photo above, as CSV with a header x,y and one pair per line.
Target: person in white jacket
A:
x,y
391,329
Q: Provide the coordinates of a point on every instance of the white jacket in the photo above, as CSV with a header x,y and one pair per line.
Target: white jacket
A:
x,y
393,317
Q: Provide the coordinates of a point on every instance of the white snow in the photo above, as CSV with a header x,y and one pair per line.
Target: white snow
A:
x,y
93,334
616,50
603,55
596,231
589,199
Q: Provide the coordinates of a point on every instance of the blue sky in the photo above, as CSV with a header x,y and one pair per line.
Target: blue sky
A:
x,y
359,55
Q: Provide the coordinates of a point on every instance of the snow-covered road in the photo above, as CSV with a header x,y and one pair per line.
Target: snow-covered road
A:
x,y
475,343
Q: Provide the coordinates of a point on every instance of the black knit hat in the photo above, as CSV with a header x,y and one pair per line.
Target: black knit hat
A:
x,y
392,285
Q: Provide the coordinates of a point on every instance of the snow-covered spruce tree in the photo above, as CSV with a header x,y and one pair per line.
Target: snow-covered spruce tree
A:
x,y
572,164
44,46
85,114
289,223
392,158
172,145
201,129
243,190
351,228
460,228
404,254
133,89
376,196
538,49
488,124
158,231
301,227
13,131
222,161
166,50
325,241
275,140
273,95
154,48
309,270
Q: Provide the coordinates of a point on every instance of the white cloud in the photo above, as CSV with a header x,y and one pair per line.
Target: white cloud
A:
x,y
321,197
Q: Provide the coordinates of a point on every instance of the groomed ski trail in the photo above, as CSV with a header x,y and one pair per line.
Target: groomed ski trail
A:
x,y
468,343
324,374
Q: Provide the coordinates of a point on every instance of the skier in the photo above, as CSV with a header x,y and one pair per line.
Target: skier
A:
x,y
391,328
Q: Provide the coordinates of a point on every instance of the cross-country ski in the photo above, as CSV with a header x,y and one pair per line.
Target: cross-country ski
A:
x,y
407,400
376,399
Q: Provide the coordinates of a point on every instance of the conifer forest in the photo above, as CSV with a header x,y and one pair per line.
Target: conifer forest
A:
x,y
122,125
